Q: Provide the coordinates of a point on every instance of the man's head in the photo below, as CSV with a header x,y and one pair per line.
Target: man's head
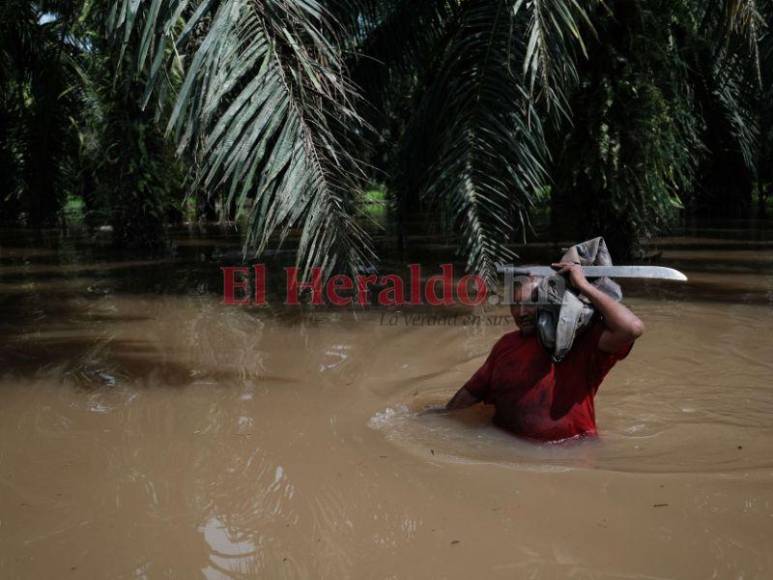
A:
x,y
524,304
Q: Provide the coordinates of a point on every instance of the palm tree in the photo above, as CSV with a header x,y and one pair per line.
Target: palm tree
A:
x,y
478,103
765,112
725,64
267,105
629,157
40,93
135,179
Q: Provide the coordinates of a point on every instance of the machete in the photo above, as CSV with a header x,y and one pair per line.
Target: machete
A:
x,y
652,272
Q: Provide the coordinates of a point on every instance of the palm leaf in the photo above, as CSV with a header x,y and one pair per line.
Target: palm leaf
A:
x,y
266,105
486,149
554,34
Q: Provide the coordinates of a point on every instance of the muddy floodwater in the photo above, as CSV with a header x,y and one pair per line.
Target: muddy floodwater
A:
x,y
149,431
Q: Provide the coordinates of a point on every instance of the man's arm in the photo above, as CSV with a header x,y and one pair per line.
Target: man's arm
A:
x,y
476,388
622,326
461,400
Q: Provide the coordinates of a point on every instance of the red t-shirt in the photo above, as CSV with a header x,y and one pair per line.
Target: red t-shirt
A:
x,y
537,398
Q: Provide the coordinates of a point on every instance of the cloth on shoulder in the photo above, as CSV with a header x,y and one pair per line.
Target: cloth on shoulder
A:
x,y
563,314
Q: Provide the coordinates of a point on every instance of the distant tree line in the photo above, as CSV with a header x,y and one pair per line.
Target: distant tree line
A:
x,y
613,118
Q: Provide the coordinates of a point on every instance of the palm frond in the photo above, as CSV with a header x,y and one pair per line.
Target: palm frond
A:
x,y
554,36
394,38
735,77
733,92
486,149
267,106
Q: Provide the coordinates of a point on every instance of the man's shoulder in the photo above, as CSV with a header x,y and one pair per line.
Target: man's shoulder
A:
x,y
508,341
510,337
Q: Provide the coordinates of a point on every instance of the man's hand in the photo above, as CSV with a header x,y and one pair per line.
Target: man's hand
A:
x,y
573,272
622,326
461,400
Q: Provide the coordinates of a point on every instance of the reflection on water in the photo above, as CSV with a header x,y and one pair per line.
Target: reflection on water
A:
x,y
146,430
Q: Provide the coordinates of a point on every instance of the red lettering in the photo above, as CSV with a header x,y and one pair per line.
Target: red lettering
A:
x,y
230,285
294,286
260,284
362,287
446,281
462,290
415,278
336,283
397,291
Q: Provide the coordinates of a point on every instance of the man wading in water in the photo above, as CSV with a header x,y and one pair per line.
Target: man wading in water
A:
x,y
535,397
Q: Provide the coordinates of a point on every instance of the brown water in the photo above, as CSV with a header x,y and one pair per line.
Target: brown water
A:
x,y
148,431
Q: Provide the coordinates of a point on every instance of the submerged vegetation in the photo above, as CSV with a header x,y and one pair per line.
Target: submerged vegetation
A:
x,y
615,118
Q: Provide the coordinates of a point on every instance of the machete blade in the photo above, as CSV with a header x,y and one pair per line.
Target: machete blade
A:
x,y
651,272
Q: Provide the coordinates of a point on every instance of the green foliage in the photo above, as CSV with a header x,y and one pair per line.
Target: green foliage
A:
x,y
71,128
138,178
764,108
39,98
267,107
475,146
634,144
723,55
621,114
